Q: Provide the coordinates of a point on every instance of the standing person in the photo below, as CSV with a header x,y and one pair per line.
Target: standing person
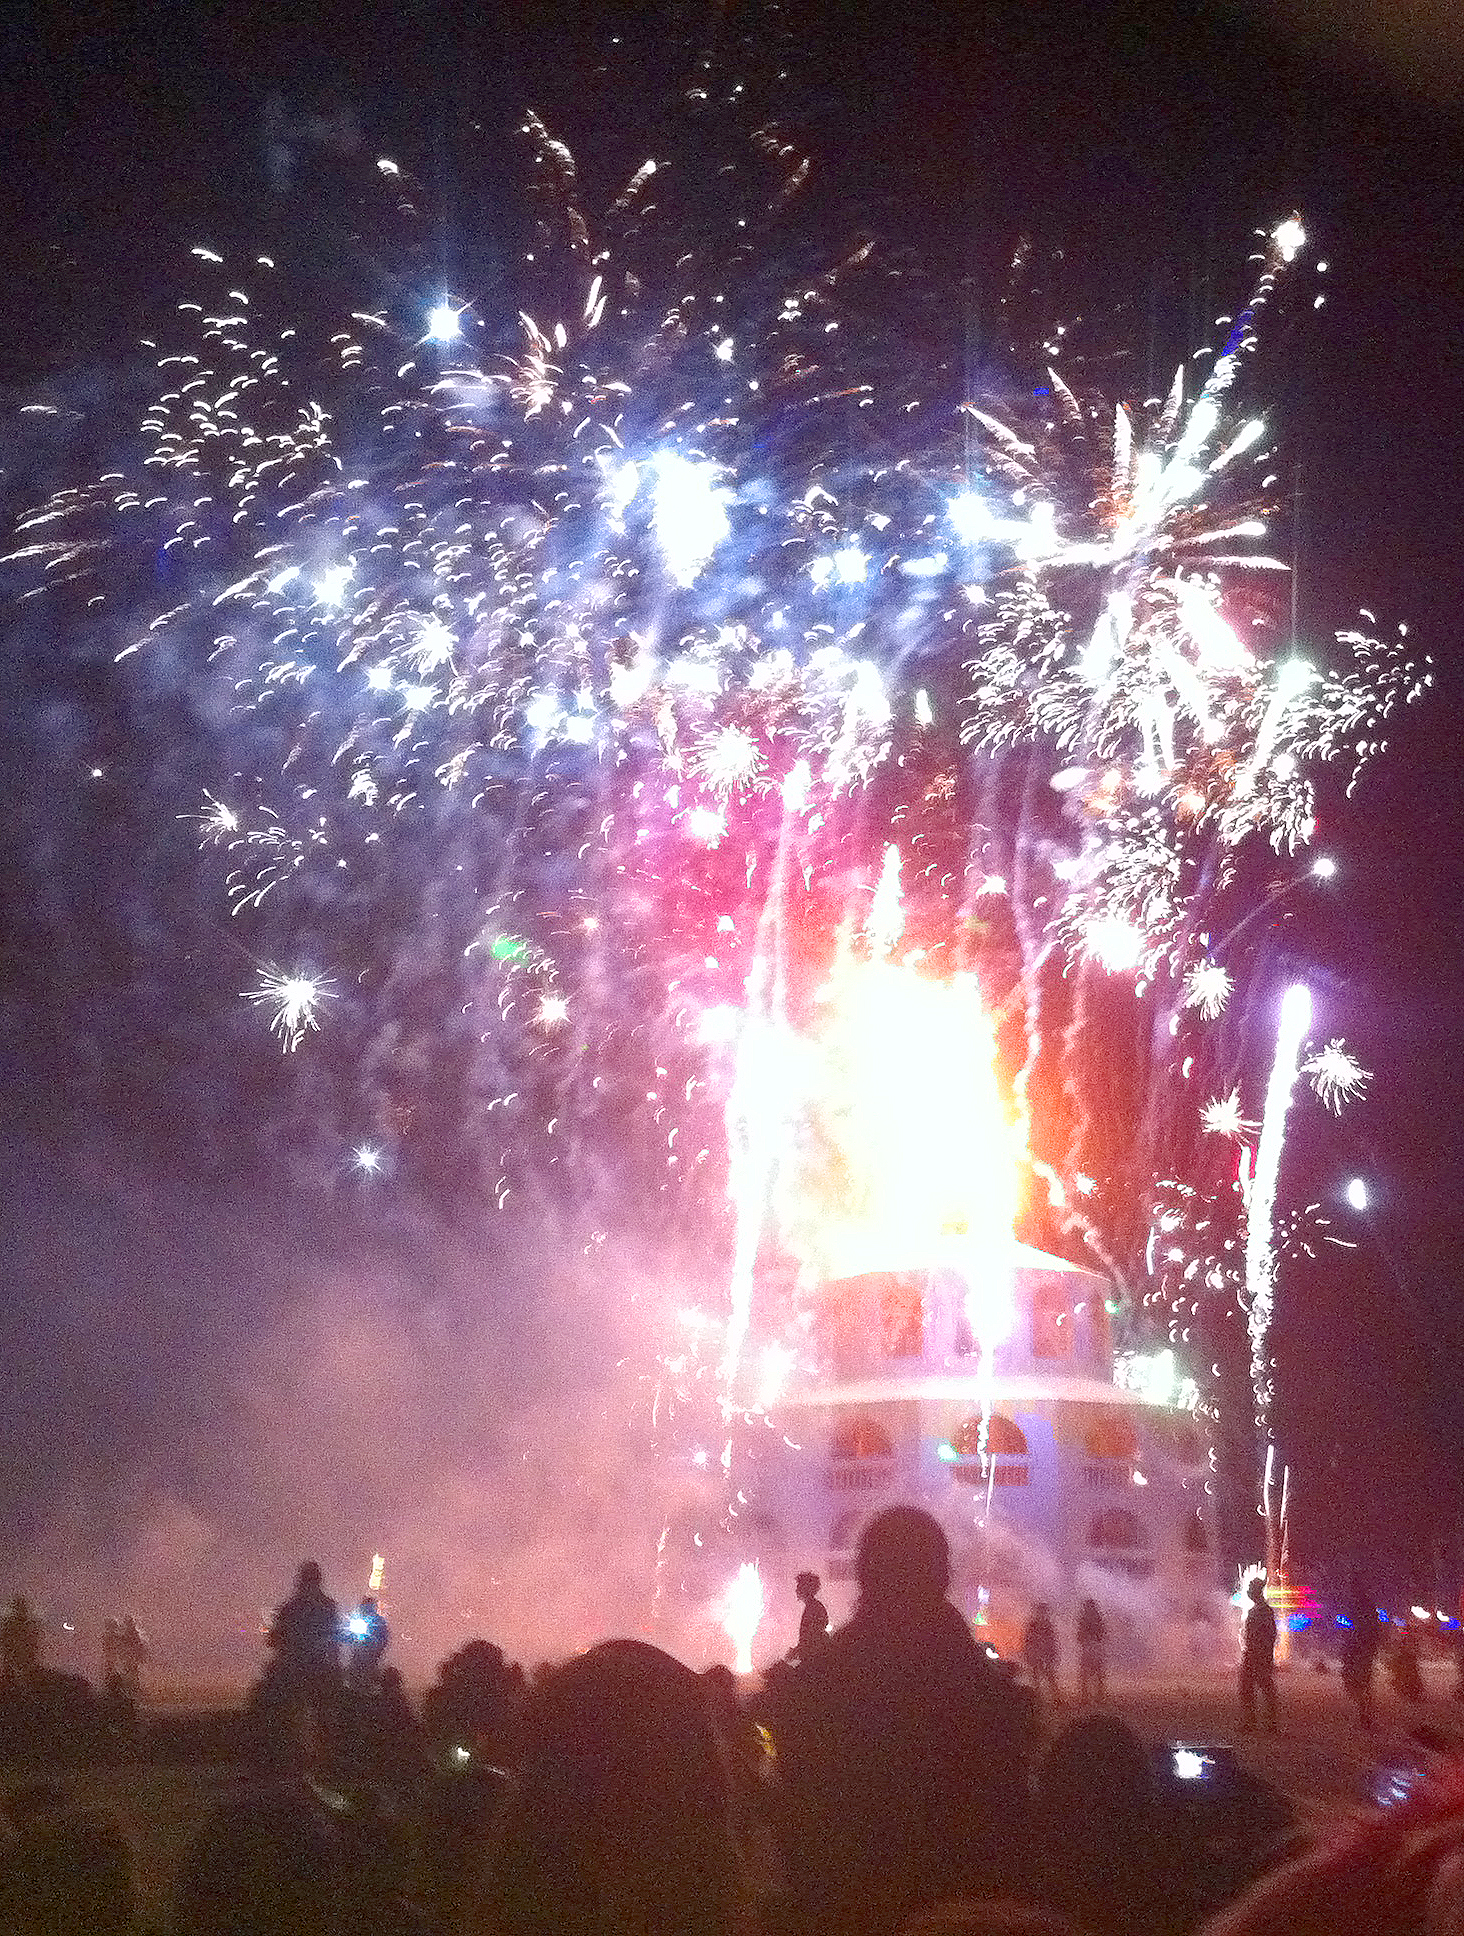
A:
x,y
305,1636
1360,1649
20,1645
904,1752
1039,1652
1092,1636
1258,1659
813,1627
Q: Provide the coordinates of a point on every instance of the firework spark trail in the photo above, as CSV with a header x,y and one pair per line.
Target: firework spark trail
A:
x,y
556,695
1260,1253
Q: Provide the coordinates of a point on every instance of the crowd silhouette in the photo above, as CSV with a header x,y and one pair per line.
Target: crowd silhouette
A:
x,y
889,1778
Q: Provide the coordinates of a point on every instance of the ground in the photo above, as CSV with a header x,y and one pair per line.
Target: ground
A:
x,y
1319,1757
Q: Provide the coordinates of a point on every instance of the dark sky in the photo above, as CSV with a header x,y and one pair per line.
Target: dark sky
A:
x,y
1143,143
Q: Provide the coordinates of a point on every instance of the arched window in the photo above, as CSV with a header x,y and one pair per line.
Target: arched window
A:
x,y
1196,1539
1002,1436
861,1438
1111,1436
1115,1526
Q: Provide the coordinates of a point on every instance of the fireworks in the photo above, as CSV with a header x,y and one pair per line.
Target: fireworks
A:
x,y
679,719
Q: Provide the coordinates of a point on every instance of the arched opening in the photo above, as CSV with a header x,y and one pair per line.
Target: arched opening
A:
x,y
1111,1436
861,1438
1003,1436
1115,1527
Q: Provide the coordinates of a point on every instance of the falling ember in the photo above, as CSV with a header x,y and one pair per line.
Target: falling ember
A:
x,y
741,1609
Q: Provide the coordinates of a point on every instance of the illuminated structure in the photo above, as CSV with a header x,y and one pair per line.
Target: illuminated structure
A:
x,y
1052,1481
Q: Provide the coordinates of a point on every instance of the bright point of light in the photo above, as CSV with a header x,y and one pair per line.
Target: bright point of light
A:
x,y
553,1012
1289,237
1115,944
580,727
433,645
1420,1613
379,678
851,565
706,825
1324,867
358,1626
329,586
924,714
417,699
1191,1765
1357,1193
724,350
971,518
366,1159
541,715
690,514
442,323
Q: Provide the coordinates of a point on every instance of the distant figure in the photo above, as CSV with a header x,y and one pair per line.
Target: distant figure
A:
x,y
813,1626
903,1748
1258,1659
1360,1649
367,1639
1092,1637
1039,1652
305,1636
124,1655
21,1635
1403,1667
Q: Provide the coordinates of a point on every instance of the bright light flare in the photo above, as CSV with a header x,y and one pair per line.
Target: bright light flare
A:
x,y
1357,1196
444,323
1260,1253
741,1610
689,515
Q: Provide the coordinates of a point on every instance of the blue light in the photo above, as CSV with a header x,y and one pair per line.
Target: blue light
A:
x,y
1298,1622
1343,1621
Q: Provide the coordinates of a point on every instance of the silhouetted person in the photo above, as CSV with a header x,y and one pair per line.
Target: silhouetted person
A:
x,y
620,1817
1258,1659
813,1624
305,1636
1092,1638
1039,1651
124,1655
367,1639
1403,1667
1098,1856
1360,1649
904,1750
21,1635
471,1702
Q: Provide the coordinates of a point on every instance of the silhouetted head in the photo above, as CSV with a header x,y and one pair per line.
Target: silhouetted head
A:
x,y
806,1585
1096,1776
903,1561
1256,1591
621,1816
307,1580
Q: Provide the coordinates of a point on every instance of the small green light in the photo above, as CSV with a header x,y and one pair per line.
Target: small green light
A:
x,y
508,947
945,1450
1112,1306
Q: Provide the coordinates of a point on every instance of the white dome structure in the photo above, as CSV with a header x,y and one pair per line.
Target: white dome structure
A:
x,y
982,1389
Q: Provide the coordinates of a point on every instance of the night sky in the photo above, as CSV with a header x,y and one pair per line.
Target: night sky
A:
x,y
167,1342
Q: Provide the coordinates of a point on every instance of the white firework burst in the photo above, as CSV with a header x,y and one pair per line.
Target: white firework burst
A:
x,y
1207,988
1221,1116
294,1002
1336,1075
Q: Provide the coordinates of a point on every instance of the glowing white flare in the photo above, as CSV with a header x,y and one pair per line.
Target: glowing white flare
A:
x,y
690,514
741,1609
1260,1254
295,1001
443,324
